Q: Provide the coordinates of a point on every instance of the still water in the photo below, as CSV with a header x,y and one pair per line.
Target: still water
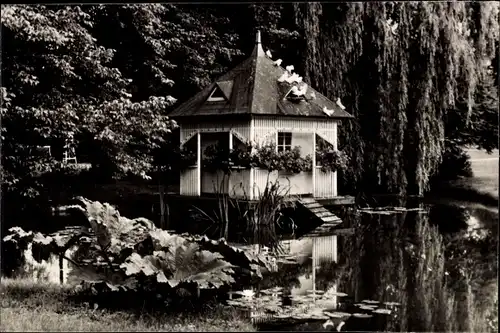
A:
x,y
430,261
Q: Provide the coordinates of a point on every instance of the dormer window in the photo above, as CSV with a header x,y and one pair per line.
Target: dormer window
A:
x,y
296,94
216,96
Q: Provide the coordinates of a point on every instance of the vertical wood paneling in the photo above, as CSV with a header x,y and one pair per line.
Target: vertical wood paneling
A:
x,y
252,171
299,183
335,136
189,181
304,141
261,179
325,185
198,164
314,171
261,130
241,127
239,183
211,182
335,193
325,250
280,122
328,135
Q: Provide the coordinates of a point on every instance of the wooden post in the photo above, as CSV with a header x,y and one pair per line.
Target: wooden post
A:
x,y
334,252
334,248
252,170
198,162
314,267
61,269
314,163
229,173
335,147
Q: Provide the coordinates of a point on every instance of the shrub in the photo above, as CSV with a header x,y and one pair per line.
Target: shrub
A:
x,y
120,254
331,160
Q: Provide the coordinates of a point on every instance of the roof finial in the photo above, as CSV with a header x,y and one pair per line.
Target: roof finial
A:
x,y
258,51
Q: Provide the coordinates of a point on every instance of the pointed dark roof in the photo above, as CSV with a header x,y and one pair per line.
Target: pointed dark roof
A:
x,y
252,87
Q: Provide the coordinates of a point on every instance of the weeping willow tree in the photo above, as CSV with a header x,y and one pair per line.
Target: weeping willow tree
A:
x,y
399,68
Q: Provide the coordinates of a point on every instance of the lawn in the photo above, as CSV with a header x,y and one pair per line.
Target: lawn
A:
x,y
34,306
485,169
480,190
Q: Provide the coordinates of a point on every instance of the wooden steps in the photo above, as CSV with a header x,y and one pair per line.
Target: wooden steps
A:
x,y
330,222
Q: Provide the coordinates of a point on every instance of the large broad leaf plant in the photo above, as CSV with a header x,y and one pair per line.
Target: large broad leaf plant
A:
x,y
117,253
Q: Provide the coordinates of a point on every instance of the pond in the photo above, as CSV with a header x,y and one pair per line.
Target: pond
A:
x,y
400,271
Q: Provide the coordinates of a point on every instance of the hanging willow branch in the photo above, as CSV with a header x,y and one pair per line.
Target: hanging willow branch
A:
x,y
398,83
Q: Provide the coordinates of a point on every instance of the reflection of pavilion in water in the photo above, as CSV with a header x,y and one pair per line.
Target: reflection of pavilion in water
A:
x,y
318,248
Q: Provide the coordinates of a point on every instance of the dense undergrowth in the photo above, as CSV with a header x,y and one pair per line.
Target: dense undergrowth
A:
x,y
132,263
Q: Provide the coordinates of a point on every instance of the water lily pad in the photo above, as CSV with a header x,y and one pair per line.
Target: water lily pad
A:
x,y
316,291
368,301
383,311
300,316
271,309
361,315
326,304
367,308
337,314
319,317
266,292
282,316
335,293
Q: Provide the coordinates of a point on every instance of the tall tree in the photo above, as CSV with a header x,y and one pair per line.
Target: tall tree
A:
x,y
399,68
59,83
101,76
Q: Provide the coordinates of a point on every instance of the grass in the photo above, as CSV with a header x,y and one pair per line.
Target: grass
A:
x,y
482,187
35,306
485,169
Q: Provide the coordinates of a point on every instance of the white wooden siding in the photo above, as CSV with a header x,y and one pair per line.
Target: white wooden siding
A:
x,y
261,129
325,184
242,128
211,182
304,141
265,127
326,248
291,123
189,181
294,184
237,185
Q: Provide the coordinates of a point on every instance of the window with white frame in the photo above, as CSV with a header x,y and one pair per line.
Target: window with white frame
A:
x,y
284,141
